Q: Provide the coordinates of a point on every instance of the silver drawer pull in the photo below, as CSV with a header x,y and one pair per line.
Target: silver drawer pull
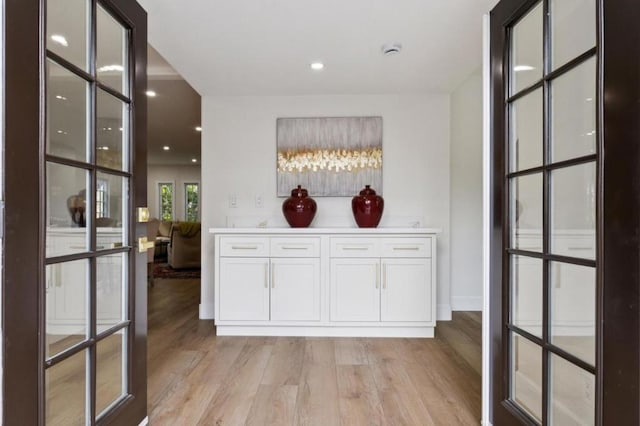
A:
x,y
407,248
294,248
355,248
244,247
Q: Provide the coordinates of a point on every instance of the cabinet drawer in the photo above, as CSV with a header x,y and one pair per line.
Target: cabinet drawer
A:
x,y
295,247
244,246
355,247
406,247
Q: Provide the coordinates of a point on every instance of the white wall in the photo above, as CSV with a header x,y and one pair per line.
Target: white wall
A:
x,y
178,175
466,195
239,159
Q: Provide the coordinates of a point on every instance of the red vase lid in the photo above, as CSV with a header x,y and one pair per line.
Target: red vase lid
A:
x,y
299,192
367,191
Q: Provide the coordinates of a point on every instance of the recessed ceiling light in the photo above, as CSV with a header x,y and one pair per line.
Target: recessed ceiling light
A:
x,y
166,148
62,132
317,66
121,129
589,99
591,133
114,67
62,40
103,148
198,129
151,93
519,68
62,98
194,160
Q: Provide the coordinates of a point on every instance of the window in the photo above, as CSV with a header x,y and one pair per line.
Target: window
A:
x,y
192,202
102,198
165,196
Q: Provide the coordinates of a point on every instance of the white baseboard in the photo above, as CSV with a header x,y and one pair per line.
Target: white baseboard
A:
x,y
466,303
144,421
206,311
443,312
322,331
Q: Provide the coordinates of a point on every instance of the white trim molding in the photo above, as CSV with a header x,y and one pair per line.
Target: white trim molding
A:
x,y
486,212
144,421
207,311
443,312
466,303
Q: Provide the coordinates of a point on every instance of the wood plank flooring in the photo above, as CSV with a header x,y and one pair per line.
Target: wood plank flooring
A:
x,y
197,378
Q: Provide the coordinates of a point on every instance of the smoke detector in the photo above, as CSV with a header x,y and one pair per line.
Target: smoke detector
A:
x,y
391,49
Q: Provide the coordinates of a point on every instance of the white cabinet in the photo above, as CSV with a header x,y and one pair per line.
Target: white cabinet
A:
x,y
295,289
385,280
66,283
269,286
244,288
355,289
325,282
406,290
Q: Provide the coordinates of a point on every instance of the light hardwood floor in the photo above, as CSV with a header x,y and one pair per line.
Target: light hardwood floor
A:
x,y
196,378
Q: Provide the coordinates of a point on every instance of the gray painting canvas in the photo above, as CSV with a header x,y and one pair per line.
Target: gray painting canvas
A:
x,y
330,157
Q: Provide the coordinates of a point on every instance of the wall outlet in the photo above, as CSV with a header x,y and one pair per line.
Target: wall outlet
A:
x,y
233,201
259,201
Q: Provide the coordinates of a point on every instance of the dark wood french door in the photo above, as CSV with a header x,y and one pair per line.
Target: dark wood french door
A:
x,y
565,216
74,282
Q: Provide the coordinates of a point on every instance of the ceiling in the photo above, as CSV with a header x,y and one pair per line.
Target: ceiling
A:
x,y
264,47
173,115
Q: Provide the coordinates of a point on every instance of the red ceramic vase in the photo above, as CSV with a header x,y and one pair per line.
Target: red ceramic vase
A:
x,y
299,209
367,208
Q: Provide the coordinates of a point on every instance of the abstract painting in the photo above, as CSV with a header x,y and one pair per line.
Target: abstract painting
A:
x,y
329,156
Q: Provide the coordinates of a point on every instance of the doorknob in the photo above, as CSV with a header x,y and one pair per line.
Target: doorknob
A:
x,y
143,214
144,244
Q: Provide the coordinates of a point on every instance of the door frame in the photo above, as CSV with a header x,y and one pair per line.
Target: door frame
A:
x,y
618,211
23,225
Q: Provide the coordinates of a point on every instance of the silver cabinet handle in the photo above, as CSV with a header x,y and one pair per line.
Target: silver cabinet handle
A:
x,y
384,276
407,248
266,275
273,275
377,275
355,248
244,247
294,248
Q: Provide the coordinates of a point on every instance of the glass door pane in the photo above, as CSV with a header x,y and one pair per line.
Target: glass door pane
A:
x,y
68,30
526,50
112,53
573,29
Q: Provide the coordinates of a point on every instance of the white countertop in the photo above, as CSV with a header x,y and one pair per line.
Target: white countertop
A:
x,y
343,230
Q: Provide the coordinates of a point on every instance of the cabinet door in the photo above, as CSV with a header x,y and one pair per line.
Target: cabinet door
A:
x,y
67,286
295,289
406,290
355,290
244,288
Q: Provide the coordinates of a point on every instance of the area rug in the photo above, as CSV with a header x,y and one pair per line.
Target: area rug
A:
x,y
163,270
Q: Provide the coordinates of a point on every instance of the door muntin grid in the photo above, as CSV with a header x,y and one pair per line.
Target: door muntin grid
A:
x,y
560,241
88,258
